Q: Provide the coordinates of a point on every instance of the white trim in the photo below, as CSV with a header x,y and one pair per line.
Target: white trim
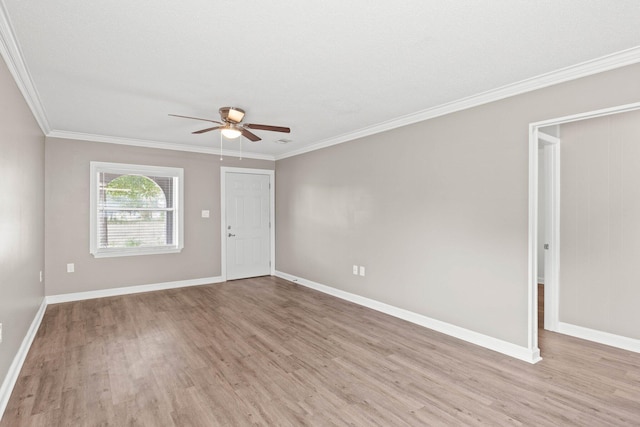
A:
x,y
223,215
551,154
125,168
12,55
540,280
495,344
126,290
548,139
532,267
587,115
272,214
594,66
155,144
124,252
584,69
14,59
14,370
605,338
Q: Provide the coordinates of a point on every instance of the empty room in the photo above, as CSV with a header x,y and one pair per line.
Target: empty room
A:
x,y
285,213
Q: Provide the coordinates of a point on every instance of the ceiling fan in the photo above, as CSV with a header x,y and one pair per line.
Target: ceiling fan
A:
x,y
231,127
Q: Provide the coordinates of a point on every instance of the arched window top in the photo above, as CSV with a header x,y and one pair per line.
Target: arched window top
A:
x,y
133,191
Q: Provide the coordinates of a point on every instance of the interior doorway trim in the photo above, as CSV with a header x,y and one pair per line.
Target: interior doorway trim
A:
x,y
223,215
534,136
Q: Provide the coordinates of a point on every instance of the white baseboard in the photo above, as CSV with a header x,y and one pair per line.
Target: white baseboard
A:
x,y
126,290
495,344
606,338
14,370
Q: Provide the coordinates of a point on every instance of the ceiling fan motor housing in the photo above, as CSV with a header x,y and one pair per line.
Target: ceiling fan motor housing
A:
x,y
231,114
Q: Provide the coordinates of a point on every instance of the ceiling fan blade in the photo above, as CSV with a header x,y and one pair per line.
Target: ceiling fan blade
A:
x,y
249,135
208,129
267,127
195,118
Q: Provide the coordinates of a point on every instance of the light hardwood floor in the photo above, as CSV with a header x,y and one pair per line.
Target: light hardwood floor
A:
x,y
268,352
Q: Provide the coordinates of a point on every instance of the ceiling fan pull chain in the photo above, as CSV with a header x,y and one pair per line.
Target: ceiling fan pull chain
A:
x,y
220,146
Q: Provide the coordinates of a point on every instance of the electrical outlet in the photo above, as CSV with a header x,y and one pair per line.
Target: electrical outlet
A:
x,y
0,332
355,270
362,270
205,214
71,268
40,275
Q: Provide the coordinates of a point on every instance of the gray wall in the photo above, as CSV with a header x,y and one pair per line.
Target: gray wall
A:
x,y
600,224
67,217
21,218
436,211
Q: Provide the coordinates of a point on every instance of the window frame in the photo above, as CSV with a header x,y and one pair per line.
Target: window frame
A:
x,y
145,170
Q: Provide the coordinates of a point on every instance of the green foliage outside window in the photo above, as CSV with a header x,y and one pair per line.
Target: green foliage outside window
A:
x,y
134,191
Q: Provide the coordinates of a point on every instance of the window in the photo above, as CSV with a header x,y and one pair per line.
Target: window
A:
x,y
135,210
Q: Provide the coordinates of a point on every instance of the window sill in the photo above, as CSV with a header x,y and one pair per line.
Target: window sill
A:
x,y
107,253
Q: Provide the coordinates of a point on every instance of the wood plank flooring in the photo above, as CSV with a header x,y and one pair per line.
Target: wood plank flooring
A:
x,y
540,306
268,352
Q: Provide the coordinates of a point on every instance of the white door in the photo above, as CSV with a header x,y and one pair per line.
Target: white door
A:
x,y
247,225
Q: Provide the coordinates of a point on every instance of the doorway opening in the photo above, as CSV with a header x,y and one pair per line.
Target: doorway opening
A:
x,y
544,219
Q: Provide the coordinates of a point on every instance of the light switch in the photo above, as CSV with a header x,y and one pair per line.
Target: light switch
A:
x,y
205,214
355,270
362,270
71,268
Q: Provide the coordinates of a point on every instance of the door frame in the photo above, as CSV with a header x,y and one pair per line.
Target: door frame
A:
x,y
554,236
223,215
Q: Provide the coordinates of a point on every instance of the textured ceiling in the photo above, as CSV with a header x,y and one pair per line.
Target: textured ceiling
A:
x,y
324,68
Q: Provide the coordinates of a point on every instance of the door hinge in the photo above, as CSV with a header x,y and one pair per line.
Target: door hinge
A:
x,y
546,246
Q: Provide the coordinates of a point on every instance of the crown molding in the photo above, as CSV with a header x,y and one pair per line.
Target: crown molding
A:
x,y
62,134
14,59
584,69
12,55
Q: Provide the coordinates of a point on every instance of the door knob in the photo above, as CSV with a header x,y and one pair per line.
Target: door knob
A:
x,y
232,235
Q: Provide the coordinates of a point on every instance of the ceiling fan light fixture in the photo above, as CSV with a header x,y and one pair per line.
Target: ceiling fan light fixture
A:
x,y
231,132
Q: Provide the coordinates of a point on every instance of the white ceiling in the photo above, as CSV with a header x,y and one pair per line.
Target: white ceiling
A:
x,y
327,69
